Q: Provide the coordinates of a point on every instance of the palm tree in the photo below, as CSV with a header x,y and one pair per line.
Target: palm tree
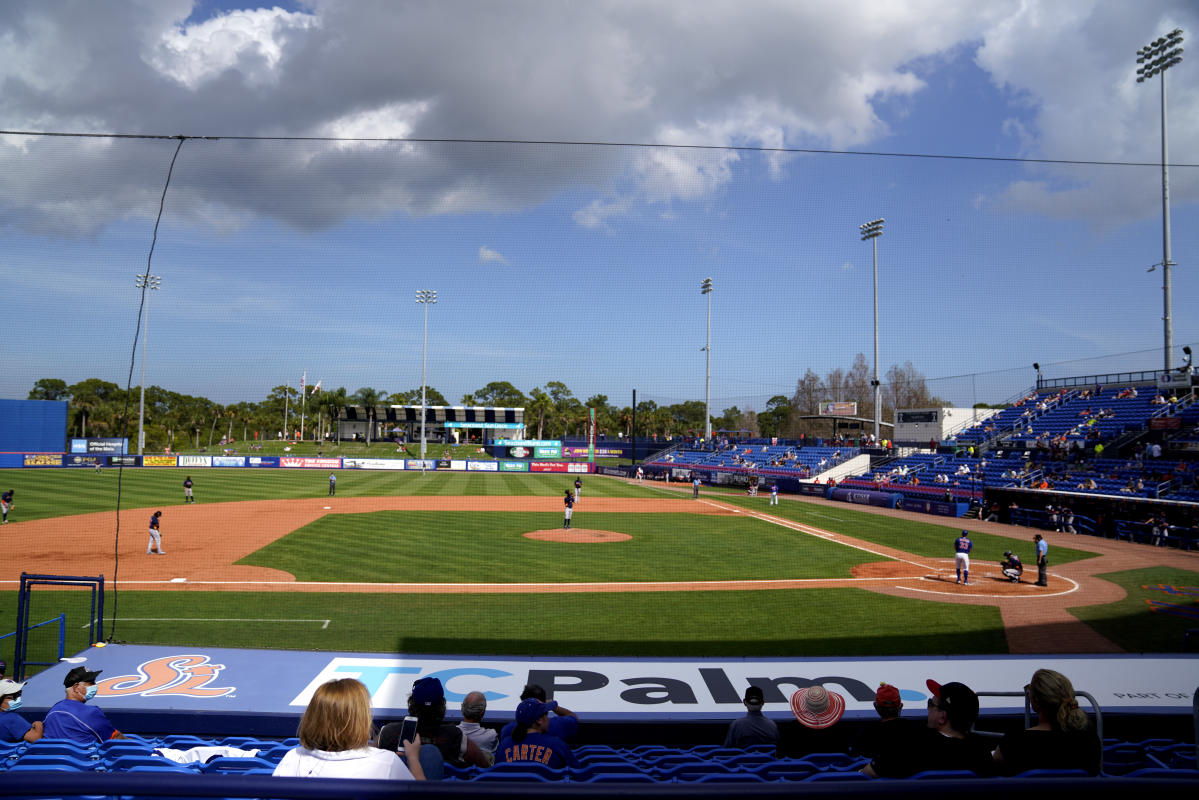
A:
x,y
370,398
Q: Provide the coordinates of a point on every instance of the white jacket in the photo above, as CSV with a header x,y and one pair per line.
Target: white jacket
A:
x,y
365,762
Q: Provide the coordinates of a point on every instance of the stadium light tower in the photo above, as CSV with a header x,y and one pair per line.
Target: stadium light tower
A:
x,y
1155,58
144,281
872,230
706,288
425,297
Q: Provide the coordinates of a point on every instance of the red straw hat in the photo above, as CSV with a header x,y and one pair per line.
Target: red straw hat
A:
x,y
816,707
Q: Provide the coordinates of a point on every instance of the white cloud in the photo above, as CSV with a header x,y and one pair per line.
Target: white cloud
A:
x,y
248,41
487,255
774,73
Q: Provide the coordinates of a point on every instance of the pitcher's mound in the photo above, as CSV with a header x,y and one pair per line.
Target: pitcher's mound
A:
x,y
577,535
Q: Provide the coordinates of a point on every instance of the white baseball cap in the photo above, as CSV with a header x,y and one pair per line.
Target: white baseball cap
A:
x,y
8,687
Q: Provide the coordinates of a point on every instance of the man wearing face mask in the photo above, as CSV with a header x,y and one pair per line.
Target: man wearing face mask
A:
x,y
72,719
13,727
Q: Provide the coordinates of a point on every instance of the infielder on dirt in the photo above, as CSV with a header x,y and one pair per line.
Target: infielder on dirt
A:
x,y
155,543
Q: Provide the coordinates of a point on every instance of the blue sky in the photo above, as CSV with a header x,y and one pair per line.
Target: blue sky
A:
x,y
583,264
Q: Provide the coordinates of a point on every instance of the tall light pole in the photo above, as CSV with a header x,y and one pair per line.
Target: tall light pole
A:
x,y
872,230
425,297
144,281
1155,58
706,288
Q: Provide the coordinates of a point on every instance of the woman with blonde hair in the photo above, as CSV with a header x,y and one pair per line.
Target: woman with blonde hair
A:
x,y
335,734
1062,737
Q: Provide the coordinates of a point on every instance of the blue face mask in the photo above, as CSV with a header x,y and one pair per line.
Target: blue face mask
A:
x,y
14,704
90,693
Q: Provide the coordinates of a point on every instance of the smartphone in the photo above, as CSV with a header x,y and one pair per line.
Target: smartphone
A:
x,y
407,730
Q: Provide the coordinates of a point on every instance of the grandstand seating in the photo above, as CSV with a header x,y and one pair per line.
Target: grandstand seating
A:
x,y
598,763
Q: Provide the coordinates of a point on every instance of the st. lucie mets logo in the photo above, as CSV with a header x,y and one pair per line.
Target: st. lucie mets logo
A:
x,y
186,676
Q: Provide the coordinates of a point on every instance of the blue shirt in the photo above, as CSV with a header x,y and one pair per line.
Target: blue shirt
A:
x,y
79,722
1042,549
563,727
568,501
537,747
963,545
153,522
13,727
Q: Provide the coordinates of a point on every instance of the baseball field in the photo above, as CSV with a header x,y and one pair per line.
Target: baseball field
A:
x,y
473,563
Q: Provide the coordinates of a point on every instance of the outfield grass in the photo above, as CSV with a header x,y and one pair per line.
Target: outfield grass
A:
x,y
1133,623
48,493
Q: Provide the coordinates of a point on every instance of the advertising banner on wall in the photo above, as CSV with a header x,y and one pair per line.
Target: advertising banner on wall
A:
x,y
85,461
228,461
42,460
528,442
547,452
308,462
110,446
143,678
262,461
838,409
159,461
513,466
418,465
482,466
372,463
123,461
195,461
601,452
866,497
547,466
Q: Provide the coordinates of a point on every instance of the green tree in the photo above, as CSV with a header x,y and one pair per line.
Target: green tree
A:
x,y
49,389
500,394
412,397
370,398
540,404
776,418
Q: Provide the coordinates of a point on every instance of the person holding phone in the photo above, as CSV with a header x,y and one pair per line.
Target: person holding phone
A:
x,y
335,734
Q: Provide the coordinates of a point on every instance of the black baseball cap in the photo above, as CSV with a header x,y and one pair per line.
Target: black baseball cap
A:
x,y
958,701
80,675
754,696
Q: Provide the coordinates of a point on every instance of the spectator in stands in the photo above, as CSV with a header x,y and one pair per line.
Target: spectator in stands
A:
x,y
1011,566
817,710
892,729
947,742
427,704
474,706
531,741
14,727
755,727
72,719
1062,737
1088,483
335,734
564,724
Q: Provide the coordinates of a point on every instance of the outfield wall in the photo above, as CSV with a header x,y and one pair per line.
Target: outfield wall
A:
x,y
69,460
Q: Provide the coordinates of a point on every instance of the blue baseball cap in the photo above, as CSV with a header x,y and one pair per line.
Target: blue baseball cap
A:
x,y
532,709
428,692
